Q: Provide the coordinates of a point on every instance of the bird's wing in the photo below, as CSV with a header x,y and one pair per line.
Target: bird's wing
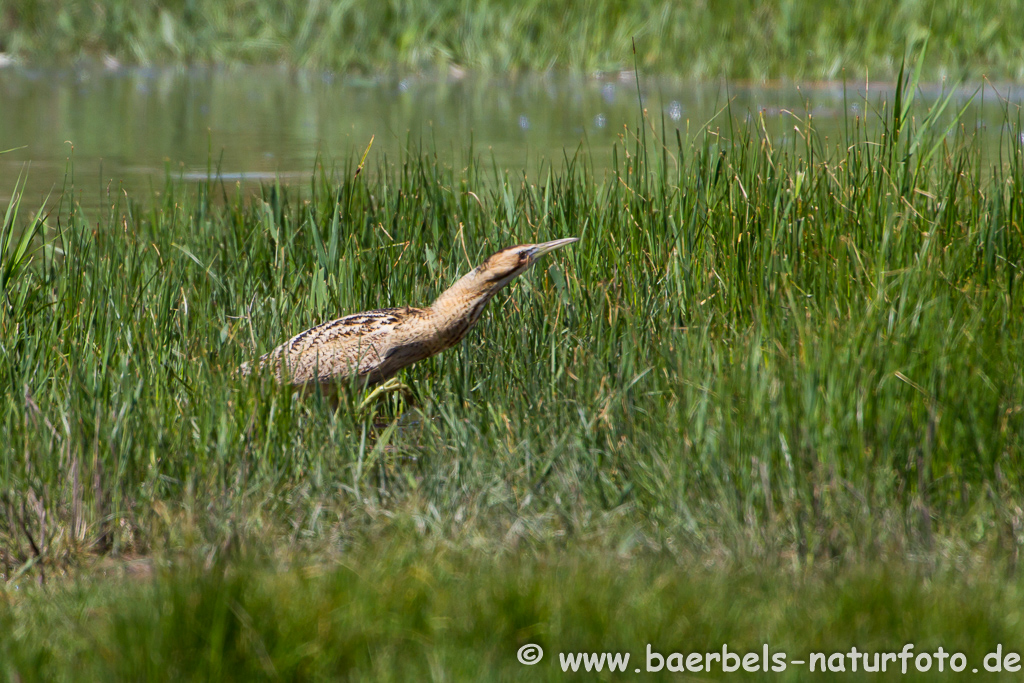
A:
x,y
339,348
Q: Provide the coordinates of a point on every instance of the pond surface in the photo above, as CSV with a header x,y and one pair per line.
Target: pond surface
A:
x,y
128,128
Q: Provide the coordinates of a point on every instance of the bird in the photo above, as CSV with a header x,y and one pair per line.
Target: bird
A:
x,y
374,345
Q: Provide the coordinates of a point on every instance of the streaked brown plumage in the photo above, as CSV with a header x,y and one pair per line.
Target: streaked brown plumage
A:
x,y
377,344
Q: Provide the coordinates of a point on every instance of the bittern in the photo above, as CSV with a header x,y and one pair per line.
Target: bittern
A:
x,y
375,345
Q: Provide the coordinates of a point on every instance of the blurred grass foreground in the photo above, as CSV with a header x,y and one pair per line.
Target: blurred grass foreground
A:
x,y
773,395
740,39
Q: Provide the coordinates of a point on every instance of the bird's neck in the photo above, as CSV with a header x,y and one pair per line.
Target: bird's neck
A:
x,y
459,307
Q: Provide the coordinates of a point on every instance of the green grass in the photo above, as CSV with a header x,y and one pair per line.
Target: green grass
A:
x,y
773,393
404,609
799,39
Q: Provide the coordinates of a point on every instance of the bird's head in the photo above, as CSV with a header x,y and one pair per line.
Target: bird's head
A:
x,y
464,301
501,268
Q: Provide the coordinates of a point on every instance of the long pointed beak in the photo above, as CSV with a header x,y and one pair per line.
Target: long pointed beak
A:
x,y
545,247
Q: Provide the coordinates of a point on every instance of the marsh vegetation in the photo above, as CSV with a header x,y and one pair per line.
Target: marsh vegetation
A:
x,y
777,382
741,39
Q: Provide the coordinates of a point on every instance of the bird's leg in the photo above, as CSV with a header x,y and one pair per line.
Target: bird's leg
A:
x,y
390,386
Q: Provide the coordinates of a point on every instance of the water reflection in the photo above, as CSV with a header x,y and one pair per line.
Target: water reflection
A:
x,y
129,127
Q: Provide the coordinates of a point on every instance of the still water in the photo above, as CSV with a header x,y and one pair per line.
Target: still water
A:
x,y
107,130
